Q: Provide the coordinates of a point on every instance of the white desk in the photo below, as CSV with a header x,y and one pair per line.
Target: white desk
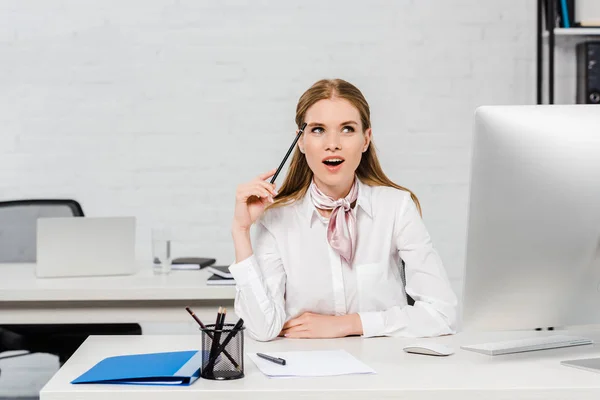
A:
x,y
143,297
465,375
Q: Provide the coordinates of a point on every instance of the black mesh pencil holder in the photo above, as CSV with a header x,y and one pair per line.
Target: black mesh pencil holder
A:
x,y
223,352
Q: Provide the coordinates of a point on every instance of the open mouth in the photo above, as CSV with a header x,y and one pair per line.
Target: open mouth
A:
x,y
333,162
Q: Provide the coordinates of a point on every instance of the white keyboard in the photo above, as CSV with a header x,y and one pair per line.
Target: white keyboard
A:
x,y
529,344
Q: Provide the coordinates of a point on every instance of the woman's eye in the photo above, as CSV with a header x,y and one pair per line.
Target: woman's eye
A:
x,y
317,129
347,129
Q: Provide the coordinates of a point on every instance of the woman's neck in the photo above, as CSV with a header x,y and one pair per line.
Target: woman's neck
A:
x,y
335,192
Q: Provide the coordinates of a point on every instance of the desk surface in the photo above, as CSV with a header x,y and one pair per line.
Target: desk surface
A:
x,y
19,283
463,375
143,297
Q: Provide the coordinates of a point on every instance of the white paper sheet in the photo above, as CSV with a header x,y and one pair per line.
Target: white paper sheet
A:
x,y
311,363
184,267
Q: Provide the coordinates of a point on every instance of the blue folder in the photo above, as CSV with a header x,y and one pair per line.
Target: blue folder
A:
x,y
173,368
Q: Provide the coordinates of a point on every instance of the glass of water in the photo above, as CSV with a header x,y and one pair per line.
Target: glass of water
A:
x,y
161,251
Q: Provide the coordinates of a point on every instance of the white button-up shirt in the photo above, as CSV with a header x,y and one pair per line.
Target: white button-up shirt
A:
x,y
294,270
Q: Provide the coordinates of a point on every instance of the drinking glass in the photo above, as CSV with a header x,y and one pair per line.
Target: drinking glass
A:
x,y
161,251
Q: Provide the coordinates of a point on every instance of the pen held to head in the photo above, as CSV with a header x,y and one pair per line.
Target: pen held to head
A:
x,y
300,131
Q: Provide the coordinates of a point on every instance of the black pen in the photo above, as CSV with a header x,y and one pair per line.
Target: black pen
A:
x,y
289,151
276,360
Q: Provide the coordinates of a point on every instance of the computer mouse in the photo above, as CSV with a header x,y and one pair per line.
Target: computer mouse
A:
x,y
430,349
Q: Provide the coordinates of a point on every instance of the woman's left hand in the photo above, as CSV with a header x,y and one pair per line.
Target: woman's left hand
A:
x,y
318,326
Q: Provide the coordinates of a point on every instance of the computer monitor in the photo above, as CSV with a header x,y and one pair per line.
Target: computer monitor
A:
x,y
533,241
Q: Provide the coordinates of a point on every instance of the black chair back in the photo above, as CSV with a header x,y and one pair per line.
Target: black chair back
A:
x,y
18,225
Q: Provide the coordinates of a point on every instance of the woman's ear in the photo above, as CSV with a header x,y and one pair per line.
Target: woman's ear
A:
x,y
301,143
368,134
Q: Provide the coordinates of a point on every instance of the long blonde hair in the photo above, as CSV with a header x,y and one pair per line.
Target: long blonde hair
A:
x,y
299,175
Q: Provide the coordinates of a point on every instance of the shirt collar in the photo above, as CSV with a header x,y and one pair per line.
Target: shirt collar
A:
x,y
309,211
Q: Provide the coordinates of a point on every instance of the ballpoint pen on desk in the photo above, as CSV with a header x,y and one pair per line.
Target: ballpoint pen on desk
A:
x,y
213,357
276,360
289,151
233,362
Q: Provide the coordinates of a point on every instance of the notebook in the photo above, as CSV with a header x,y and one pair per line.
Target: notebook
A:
x,y
311,363
222,271
190,263
170,368
218,280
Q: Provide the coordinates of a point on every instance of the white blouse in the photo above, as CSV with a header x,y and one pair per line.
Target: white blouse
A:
x,y
294,270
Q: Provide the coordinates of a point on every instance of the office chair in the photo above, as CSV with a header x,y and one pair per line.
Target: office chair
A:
x,y
18,225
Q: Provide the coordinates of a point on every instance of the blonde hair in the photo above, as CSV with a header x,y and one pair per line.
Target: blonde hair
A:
x,y
369,171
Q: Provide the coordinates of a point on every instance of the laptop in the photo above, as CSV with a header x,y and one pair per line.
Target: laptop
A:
x,y
84,246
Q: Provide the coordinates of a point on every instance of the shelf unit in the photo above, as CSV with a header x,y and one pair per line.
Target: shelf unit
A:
x,y
547,13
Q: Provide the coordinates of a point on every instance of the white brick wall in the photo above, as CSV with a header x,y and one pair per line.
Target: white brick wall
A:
x,y
159,108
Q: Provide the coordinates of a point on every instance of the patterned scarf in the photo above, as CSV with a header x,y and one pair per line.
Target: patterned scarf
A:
x,y
341,232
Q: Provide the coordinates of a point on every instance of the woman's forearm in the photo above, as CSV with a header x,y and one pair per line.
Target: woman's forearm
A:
x,y
352,325
242,244
261,304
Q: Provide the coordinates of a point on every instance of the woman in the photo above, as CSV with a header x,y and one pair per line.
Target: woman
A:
x,y
326,258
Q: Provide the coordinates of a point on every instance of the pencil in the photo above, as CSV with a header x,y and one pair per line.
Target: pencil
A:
x,y
234,331
217,336
288,153
235,364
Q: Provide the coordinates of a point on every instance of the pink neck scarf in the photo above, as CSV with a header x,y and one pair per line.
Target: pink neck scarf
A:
x,y
341,232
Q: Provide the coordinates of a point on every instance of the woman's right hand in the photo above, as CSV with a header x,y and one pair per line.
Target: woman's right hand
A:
x,y
251,199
